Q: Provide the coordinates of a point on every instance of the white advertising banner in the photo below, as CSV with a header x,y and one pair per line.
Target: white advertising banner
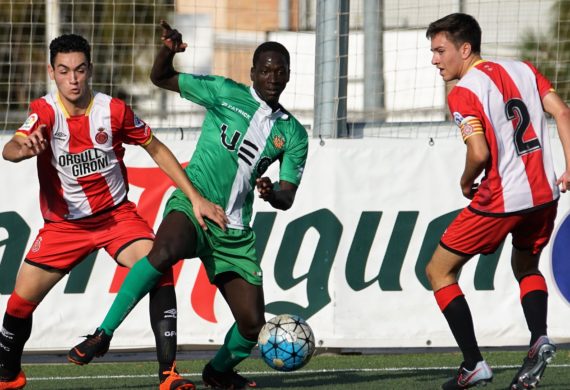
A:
x,y
349,256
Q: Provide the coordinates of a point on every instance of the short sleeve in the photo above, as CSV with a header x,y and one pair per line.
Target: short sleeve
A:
x,y
295,156
202,90
38,114
134,130
542,83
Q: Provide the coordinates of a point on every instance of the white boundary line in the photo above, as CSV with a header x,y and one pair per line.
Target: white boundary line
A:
x,y
272,373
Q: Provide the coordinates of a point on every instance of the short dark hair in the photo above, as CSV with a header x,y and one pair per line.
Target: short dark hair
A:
x,y
271,46
69,43
460,28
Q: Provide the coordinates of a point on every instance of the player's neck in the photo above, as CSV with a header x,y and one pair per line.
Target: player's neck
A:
x,y
78,107
469,63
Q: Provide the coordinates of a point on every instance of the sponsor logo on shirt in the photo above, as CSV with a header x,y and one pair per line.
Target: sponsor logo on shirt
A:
x,y
101,137
458,118
236,109
30,122
138,122
85,163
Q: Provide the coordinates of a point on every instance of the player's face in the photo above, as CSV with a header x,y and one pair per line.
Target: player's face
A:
x,y
270,75
448,58
71,73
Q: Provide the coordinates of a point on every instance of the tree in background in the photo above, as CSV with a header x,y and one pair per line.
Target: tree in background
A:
x,y
550,51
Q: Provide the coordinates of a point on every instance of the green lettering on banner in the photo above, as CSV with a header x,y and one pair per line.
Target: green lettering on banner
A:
x,y
79,276
391,268
14,249
330,231
389,275
262,225
433,234
486,268
360,250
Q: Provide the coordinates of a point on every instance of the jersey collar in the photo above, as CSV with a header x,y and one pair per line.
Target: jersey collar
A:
x,y
64,110
268,111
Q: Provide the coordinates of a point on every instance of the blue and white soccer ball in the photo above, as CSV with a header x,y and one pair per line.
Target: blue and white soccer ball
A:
x,y
286,342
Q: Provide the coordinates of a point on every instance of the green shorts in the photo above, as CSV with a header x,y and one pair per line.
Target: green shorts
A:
x,y
229,251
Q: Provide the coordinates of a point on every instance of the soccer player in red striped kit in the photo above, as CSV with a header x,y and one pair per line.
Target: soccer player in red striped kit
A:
x,y
77,137
499,108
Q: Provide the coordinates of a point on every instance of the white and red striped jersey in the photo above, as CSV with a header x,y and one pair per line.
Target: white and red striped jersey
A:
x,y
82,171
505,97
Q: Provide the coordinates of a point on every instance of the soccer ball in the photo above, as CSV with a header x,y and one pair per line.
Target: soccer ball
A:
x,y
286,342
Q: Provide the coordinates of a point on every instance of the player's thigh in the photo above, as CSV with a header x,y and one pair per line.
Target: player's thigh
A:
x,y
134,252
175,239
471,233
33,283
124,234
534,229
444,266
524,263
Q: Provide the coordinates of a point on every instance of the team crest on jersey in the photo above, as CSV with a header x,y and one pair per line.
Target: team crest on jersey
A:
x,y
30,122
101,137
278,141
37,245
458,118
138,122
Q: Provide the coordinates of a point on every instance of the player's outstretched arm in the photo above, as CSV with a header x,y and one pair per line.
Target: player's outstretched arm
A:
x,y
203,208
281,198
556,107
163,74
21,147
475,162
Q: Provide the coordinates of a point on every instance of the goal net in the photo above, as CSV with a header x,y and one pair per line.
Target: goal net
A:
x,y
222,35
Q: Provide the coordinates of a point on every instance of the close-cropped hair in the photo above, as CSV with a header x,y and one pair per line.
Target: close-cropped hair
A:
x,y
271,46
69,43
459,28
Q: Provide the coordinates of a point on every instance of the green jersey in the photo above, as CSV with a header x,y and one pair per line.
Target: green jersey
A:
x,y
241,136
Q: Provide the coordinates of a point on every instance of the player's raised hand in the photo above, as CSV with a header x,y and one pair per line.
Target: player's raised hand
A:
x,y
564,181
35,143
172,38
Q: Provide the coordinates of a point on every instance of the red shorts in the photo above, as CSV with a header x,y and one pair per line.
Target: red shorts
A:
x,y
471,233
63,245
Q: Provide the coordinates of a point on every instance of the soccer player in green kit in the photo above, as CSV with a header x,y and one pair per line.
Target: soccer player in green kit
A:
x,y
244,131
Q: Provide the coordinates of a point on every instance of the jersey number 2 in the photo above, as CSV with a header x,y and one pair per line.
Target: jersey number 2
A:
x,y
516,109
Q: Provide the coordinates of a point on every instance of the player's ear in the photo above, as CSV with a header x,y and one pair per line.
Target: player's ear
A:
x,y
50,72
252,73
466,50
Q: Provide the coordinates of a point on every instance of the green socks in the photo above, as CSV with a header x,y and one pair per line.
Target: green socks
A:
x,y
139,281
235,349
